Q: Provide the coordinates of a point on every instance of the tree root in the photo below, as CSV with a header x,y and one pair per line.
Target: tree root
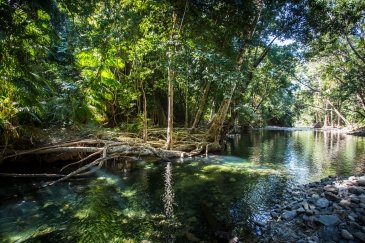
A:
x,y
96,152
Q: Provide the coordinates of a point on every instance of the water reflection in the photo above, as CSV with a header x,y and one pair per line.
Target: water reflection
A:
x,y
305,155
168,203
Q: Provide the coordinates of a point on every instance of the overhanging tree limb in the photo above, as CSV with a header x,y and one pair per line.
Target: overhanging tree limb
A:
x,y
362,58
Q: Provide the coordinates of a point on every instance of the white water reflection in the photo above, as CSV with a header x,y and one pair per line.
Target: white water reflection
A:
x,y
168,196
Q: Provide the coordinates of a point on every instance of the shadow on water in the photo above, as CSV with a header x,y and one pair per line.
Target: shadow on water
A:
x,y
212,198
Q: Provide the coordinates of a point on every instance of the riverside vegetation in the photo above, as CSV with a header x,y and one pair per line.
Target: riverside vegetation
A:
x,y
87,85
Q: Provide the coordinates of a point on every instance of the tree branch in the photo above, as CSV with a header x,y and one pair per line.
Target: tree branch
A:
x,y
264,53
354,50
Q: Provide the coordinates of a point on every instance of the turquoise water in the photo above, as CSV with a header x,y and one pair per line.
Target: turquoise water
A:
x,y
200,199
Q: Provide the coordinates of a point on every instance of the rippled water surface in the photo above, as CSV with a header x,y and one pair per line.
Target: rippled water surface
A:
x,y
208,199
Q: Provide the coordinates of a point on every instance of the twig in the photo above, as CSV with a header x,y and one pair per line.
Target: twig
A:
x,y
80,161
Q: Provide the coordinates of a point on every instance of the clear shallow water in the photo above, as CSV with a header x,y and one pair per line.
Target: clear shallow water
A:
x,y
221,193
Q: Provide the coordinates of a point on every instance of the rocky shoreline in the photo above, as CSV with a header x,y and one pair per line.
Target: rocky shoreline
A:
x,y
332,210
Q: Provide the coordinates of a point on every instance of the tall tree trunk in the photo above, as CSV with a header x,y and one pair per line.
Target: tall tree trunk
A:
x,y
338,121
202,105
159,113
214,132
145,123
170,91
170,108
233,119
339,114
186,125
361,99
325,122
212,111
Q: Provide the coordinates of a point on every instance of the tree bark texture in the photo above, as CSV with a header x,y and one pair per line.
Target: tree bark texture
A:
x,y
213,134
170,91
202,104
170,109
145,122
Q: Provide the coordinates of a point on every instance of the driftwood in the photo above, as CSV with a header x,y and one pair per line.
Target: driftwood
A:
x,y
93,153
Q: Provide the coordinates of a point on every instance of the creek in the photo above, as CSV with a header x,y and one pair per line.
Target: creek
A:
x,y
202,198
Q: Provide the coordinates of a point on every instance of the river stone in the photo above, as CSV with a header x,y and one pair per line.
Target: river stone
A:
x,y
305,206
354,225
344,203
300,210
362,205
357,190
312,207
361,182
328,220
282,233
355,200
362,219
359,235
322,203
330,188
331,196
259,223
346,235
328,234
274,215
288,215
360,210
351,218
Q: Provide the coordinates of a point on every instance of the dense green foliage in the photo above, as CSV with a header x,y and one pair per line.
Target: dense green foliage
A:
x,y
333,76
69,63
